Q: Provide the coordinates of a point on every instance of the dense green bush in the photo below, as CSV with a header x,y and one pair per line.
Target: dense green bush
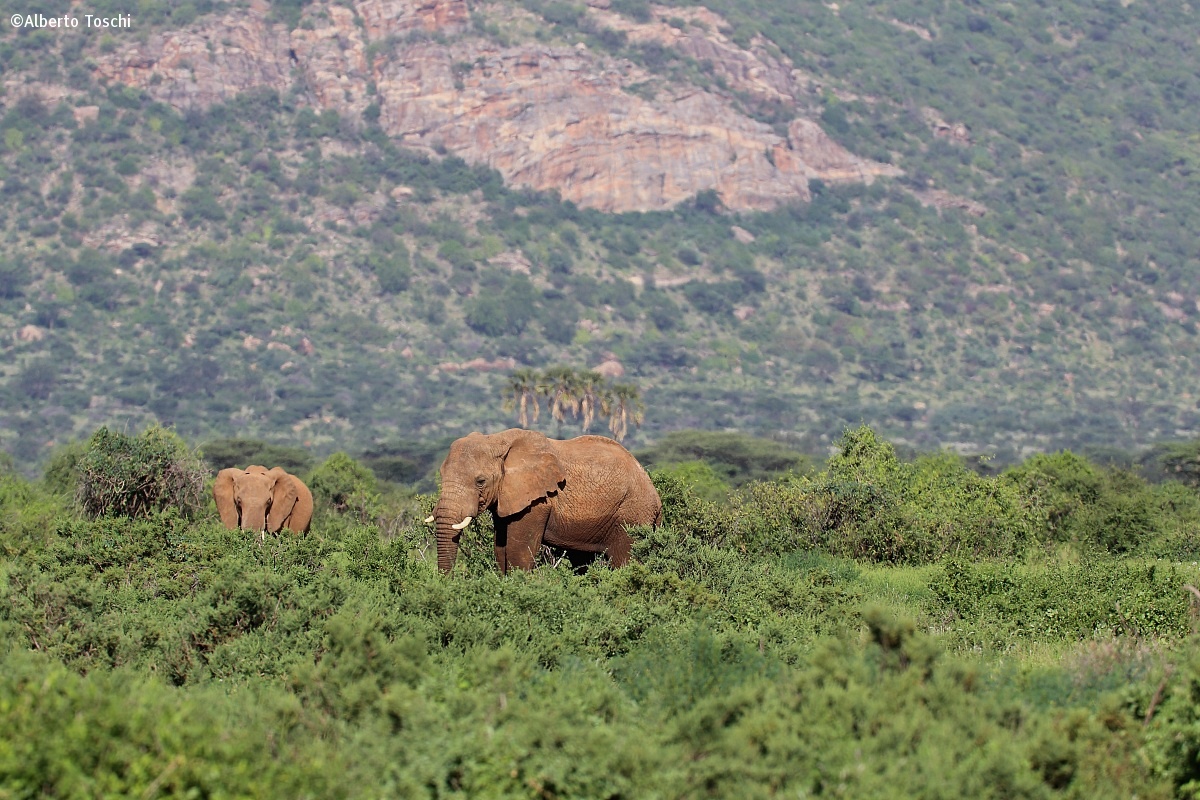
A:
x,y
994,604
138,475
701,479
124,734
1173,735
344,485
727,659
62,470
1109,508
868,504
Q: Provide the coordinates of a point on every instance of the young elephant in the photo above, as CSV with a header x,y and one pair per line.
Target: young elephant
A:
x,y
261,499
580,494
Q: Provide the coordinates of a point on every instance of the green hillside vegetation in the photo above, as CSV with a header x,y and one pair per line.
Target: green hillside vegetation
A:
x,y
881,628
245,300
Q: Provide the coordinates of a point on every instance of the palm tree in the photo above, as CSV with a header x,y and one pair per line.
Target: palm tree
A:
x,y
624,406
520,393
560,385
593,397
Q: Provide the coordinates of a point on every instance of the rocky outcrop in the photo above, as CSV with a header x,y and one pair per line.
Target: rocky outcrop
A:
x,y
755,72
30,333
85,114
385,18
550,118
610,368
208,63
957,132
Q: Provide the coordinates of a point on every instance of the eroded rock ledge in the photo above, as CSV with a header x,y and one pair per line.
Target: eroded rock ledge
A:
x,y
550,118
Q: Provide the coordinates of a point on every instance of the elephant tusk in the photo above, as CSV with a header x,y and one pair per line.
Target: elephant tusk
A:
x,y
429,519
466,521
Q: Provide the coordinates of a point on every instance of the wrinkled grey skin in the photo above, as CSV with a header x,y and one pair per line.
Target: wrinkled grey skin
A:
x,y
579,494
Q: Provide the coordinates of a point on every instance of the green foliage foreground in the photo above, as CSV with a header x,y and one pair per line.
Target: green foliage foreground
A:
x,y
881,629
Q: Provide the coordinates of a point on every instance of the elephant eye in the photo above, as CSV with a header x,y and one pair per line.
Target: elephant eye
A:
x,y
480,481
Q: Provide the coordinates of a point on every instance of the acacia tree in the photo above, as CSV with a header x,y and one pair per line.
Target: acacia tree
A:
x,y
1176,461
135,476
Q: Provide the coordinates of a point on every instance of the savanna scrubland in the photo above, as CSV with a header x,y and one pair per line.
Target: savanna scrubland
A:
x,y
272,262
882,627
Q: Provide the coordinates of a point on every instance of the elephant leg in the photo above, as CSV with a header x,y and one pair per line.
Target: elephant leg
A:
x,y
519,538
501,545
619,545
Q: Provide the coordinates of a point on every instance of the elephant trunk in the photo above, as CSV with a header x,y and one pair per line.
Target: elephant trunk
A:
x,y
448,517
447,546
254,518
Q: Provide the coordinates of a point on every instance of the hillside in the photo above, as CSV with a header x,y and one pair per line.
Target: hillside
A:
x,y
344,225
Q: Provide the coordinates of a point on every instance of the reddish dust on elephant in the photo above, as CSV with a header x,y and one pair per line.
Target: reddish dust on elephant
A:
x,y
260,499
580,494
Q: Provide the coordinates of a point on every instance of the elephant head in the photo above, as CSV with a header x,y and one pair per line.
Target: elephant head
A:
x,y
504,472
261,499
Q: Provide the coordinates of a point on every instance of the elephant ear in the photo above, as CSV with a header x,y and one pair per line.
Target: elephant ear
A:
x,y
302,512
223,495
531,471
283,498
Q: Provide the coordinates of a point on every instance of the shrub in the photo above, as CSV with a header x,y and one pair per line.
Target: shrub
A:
x,y
1173,738
702,669
869,505
199,203
344,485
503,313
701,478
1103,507
1178,460
714,299
14,277
62,471
991,604
128,735
490,318
122,475
393,268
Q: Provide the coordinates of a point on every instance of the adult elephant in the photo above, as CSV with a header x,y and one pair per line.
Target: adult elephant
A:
x,y
578,494
261,499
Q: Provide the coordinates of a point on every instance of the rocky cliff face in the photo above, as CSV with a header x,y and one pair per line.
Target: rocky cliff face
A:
x,y
551,118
